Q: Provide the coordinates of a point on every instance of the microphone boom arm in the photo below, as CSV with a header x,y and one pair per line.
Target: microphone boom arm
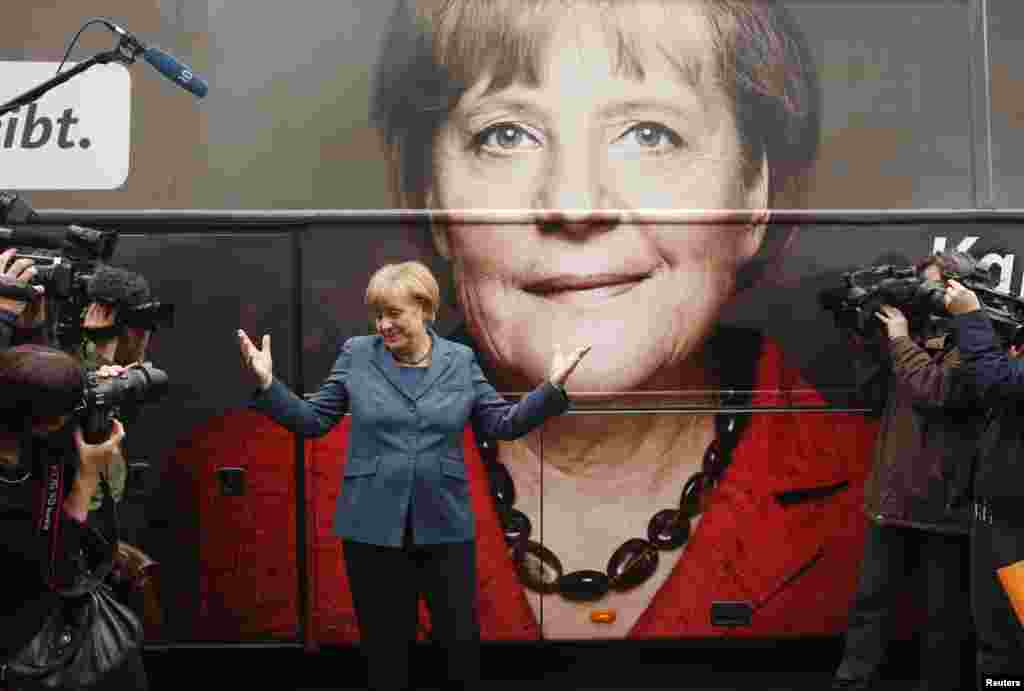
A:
x,y
125,53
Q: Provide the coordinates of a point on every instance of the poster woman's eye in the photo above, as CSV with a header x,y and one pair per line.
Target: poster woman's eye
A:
x,y
648,137
505,137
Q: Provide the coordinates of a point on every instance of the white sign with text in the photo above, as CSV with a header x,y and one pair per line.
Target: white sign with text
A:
x,y
75,137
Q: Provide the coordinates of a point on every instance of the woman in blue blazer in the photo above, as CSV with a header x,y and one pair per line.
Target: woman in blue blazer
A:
x,y
404,513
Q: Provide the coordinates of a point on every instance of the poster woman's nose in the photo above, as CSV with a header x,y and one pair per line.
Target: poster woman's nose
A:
x,y
575,199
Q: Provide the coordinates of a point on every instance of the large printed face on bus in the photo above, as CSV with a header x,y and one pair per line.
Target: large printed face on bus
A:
x,y
589,136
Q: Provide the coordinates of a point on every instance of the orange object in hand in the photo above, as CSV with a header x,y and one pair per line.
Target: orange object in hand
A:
x,y
603,616
1012,579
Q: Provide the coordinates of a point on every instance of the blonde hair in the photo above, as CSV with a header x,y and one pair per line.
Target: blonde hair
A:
x,y
409,279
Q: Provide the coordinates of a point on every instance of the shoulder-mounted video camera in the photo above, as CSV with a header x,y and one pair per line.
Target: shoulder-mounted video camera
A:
x,y
63,255
65,259
68,261
855,303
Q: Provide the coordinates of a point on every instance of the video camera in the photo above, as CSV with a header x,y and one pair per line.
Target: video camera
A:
x,y
107,398
67,259
864,291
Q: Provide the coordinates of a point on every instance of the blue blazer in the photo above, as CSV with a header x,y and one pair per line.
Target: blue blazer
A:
x,y
405,445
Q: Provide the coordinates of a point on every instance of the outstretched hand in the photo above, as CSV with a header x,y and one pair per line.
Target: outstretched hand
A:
x,y
562,366
256,361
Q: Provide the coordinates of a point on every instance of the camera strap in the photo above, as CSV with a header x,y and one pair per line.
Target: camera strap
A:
x,y
47,514
47,520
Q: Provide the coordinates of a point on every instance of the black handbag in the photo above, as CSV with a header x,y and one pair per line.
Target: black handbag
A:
x,y
87,636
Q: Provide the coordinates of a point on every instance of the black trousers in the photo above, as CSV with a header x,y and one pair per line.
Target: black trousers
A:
x,y
995,543
386,583
889,554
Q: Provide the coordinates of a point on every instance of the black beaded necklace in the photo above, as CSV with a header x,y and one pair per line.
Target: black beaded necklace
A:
x,y
733,356
636,560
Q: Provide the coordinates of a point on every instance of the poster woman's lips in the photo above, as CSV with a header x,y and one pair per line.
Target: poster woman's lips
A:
x,y
566,282
573,288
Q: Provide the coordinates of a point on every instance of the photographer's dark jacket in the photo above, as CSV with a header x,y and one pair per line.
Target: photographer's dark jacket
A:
x,y
999,382
926,441
34,567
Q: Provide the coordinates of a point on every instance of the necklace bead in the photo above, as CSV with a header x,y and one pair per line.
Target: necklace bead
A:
x,y
632,564
516,525
584,586
502,488
668,529
538,567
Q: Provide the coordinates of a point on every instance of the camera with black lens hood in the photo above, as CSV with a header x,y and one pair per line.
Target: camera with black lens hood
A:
x,y
119,396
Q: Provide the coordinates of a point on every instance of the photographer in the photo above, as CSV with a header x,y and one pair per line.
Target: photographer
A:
x,y
114,293
45,556
997,528
114,337
916,497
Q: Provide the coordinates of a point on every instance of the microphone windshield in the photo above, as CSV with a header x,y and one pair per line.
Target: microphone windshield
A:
x,y
175,70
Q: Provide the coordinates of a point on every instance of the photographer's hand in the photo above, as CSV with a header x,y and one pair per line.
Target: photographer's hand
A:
x,y
17,272
960,300
256,361
110,371
93,460
895,322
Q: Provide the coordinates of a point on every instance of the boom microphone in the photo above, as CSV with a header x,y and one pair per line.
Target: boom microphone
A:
x,y
178,72
165,63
